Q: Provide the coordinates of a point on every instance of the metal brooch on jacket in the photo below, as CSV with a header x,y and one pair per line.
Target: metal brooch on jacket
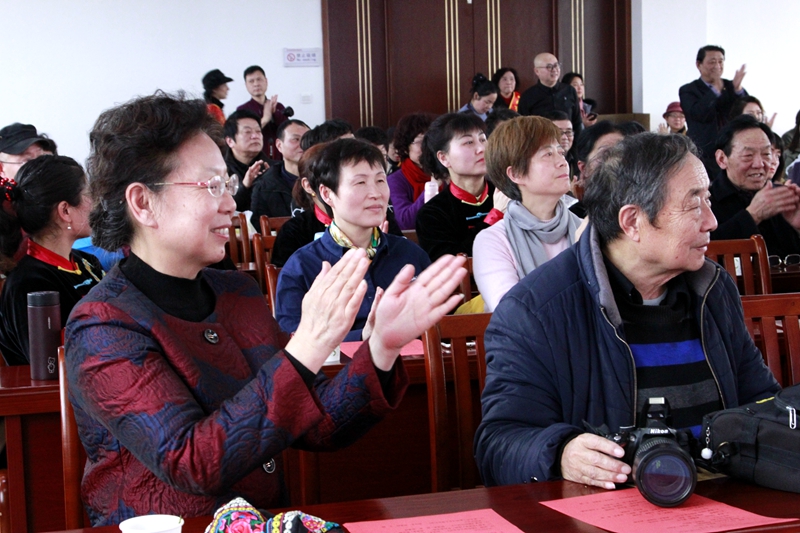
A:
x,y
211,336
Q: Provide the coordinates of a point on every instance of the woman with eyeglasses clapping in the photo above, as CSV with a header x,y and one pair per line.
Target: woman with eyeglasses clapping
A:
x,y
185,391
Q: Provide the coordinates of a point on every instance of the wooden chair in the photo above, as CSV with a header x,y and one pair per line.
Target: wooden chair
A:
x,y
72,451
262,254
5,510
772,321
239,239
270,224
272,272
411,235
751,255
463,332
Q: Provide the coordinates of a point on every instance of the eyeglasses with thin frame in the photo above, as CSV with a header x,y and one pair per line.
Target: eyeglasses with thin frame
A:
x,y
552,66
13,162
568,133
216,186
789,260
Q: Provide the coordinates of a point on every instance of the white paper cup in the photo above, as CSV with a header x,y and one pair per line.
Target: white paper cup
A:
x,y
152,523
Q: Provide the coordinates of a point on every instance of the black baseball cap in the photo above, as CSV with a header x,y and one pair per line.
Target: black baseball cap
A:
x,y
16,138
214,79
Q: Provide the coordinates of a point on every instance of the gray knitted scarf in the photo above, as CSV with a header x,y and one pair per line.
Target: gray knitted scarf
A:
x,y
526,233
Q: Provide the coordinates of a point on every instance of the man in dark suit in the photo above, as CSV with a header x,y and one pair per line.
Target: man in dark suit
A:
x,y
707,102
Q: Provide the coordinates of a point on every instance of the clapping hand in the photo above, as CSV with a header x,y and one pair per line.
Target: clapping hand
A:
x,y
255,170
329,309
270,105
738,78
411,305
772,200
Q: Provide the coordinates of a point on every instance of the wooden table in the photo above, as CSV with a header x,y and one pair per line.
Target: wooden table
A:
x,y
785,279
33,446
517,504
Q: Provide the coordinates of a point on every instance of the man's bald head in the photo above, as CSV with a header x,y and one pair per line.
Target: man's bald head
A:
x,y
547,68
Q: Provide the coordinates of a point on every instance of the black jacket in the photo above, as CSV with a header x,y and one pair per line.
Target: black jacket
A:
x,y
706,113
729,205
540,99
272,194
446,225
31,275
244,194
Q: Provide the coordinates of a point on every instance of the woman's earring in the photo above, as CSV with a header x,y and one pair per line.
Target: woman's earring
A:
x,y
69,226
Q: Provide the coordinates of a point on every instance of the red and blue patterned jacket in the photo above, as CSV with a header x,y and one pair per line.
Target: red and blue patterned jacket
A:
x,y
178,417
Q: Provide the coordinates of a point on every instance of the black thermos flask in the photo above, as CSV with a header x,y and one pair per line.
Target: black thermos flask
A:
x,y
44,333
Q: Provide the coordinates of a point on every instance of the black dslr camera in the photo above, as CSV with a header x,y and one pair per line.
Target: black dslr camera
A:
x,y
661,468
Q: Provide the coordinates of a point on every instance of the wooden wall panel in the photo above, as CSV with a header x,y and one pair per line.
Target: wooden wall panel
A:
x,y
340,49
414,58
509,33
417,46
594,39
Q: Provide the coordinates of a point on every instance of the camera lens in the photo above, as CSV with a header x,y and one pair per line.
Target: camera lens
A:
x,y
664,473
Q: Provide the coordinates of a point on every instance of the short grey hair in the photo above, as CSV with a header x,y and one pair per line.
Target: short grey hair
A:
x,y
634,172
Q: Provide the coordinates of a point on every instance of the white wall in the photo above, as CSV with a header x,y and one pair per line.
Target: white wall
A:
x,y
760,34
62,63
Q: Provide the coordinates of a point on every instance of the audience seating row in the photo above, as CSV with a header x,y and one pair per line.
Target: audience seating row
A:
x,y
454,352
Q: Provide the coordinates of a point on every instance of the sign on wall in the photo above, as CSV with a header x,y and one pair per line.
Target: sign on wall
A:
x,y
302,57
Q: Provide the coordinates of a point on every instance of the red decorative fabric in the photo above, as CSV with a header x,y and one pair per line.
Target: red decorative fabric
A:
x,y
50,257
216,112
512,101
468,198
415,176
322,216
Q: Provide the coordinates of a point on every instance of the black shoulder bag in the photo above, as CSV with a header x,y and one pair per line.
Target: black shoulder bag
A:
x,y
758,442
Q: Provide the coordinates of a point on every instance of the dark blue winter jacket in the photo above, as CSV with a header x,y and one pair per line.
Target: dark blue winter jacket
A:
x,y
556,356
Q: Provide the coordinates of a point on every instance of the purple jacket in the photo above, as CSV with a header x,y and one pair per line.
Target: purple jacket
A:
x,y
402,195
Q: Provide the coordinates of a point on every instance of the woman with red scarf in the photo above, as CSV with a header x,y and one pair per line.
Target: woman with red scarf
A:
x,y
407,185
507,81
50,203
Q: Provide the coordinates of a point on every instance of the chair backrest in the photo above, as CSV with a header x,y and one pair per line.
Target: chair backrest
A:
x,y
750,256
72,451
464,333
262,255
411,235
772,321
239,239
272,272
270,224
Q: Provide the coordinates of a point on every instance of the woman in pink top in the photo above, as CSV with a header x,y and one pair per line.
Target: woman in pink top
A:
x,y
525,161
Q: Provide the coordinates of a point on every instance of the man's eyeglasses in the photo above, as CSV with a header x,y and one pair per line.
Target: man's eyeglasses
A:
x,y
568,133
216,186
551,67
789,260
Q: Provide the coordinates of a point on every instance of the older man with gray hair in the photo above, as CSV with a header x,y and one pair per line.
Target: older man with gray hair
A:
x,y
631,312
